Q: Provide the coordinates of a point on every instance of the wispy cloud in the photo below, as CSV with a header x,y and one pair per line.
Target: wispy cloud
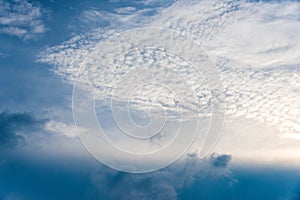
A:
x,y
21,19
62,128
128,16
259,34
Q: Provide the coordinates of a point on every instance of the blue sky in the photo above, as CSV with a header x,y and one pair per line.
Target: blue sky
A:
x,y
254,46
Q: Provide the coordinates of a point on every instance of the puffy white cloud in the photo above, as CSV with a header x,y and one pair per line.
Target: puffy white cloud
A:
x,y
21,19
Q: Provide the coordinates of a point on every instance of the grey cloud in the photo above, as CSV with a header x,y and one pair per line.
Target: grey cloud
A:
x,y
163,184
13,124
220,161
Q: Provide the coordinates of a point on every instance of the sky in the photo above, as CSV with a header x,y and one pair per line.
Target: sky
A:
x,y
209,88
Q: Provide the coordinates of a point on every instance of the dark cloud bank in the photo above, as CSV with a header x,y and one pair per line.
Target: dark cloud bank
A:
x,y
13,126
76,179
194,179
27,177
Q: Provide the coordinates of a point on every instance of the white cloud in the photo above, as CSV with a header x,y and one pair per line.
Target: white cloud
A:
x,y
125,10
266,95
254,44
21,19
260,34
119,19
61,128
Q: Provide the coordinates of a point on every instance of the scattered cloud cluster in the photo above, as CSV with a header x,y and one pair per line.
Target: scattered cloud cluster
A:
x,y
71,53
176,86
21,19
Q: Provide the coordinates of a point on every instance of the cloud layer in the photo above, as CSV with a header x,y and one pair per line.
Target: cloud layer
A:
x,y
255,46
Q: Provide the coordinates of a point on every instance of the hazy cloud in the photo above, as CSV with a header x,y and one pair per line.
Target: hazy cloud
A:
x,y
62,128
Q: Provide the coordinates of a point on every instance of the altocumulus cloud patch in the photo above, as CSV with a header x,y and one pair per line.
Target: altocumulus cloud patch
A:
x,y
258,66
